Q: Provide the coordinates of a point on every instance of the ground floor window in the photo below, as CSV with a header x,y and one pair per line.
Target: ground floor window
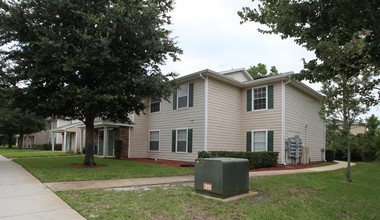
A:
x,y
154,140
259,141
182,140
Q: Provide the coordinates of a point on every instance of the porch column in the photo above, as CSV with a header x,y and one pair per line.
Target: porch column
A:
x,y
105,141
64,141
17,141
52,141
76,142
81,140
23,141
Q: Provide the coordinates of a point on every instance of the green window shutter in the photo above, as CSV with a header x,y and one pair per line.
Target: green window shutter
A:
x,y
174,136
270,140
175,99
249,100
189,140
191,94
270,97
249,141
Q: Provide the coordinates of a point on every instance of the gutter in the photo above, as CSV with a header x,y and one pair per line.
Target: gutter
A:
x,y
283,112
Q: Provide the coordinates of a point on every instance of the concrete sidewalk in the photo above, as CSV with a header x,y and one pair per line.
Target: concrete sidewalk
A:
x,y
22,196
95,184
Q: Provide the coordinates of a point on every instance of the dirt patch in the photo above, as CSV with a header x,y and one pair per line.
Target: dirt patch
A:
x,y
291,167
259,197
86,167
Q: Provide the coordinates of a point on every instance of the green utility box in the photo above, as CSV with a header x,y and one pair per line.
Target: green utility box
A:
x,y
221,177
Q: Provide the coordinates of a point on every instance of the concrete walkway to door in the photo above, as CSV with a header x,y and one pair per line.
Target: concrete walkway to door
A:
x,y
22,196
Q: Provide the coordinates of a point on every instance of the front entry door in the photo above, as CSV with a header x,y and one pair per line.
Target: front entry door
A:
x,y
100,139
111,135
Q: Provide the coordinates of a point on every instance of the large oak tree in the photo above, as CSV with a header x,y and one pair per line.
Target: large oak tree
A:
x,y
83,59
345,36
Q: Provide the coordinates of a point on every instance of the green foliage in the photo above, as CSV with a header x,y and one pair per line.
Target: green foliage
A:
x,y
364,147
261,70
256,159
330,155
118,148
87,59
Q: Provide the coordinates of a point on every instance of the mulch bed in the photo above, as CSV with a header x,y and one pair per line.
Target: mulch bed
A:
x,y
291,167
163,162
85,167
179,163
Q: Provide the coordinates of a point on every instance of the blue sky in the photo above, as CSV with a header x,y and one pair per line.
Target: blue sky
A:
x,y
211,36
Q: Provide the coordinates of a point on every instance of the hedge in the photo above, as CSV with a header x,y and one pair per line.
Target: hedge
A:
x,y
118,148
330,155
57,147
256,159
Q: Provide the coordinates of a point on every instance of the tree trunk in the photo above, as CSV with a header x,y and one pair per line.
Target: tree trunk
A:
x,y
10,140
348,141
89,155
20,140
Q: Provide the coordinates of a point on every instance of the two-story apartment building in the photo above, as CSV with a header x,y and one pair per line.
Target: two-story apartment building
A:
x,y
229,111
212,111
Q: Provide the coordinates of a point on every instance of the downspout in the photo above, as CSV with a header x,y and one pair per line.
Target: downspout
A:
x,y
283,96
205,111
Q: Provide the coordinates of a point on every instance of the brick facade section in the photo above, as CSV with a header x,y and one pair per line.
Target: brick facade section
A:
x,y
122,133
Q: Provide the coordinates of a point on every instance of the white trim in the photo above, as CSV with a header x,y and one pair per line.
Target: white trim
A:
x,y
266,139
188,95
159,140
266,98
76,142
283,161
150,107
176,140
129,141
105,141
205,133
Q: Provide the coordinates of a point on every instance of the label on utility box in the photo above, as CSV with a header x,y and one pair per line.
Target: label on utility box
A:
x,y
207,186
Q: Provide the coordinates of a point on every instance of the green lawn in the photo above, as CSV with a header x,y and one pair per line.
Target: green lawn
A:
x,y
16,153
58,169
324,195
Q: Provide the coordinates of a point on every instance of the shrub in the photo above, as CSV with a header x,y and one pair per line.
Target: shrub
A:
x,y
256,159
118,148
330,155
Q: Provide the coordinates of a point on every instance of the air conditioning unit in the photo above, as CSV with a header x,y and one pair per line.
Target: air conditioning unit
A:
x,y
221,177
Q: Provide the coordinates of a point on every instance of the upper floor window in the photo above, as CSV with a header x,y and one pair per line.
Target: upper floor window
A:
x,y
260,98
183,96
155,105
154,140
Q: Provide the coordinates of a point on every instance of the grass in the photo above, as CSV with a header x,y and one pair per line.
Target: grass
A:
x,y
58,169
14,152
324,195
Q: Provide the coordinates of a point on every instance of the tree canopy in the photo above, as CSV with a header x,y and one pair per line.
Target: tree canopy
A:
x,y
345,36
261,70
81,59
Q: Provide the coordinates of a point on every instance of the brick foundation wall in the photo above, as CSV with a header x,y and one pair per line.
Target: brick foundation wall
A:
x,y
122,133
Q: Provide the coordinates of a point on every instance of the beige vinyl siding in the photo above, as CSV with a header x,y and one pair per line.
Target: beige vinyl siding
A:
x,y
224,117
264,119
302,109
169,119
239,76
41,137
139,136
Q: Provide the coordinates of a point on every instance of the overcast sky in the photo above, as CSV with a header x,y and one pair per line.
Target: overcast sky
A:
x,y
211,36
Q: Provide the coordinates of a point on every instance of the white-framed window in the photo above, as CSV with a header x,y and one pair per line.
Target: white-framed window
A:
x,y
260,98
155,106
154,140
259,140
181,140
183,96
